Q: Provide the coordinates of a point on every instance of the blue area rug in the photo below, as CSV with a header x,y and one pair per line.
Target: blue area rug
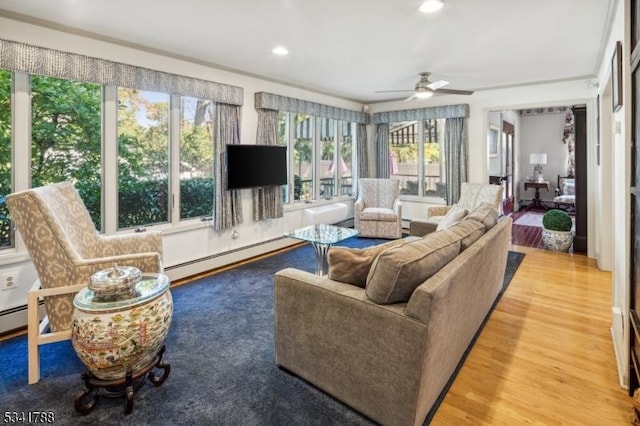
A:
x,y
220,347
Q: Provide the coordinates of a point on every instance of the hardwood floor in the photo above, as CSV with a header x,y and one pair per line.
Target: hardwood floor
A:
x,y
545,356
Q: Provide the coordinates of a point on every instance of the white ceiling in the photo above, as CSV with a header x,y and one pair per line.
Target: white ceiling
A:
x,y
351,48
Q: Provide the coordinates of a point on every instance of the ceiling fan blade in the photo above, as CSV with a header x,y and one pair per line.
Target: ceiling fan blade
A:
x,y
391,91
437,84
454,92
410,98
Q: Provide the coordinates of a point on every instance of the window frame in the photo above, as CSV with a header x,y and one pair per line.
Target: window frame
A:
x,y
421,141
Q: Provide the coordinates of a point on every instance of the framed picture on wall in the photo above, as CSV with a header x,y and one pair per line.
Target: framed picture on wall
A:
x,y
616,77
493,141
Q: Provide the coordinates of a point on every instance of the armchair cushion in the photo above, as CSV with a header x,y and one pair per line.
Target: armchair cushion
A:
x,y
398,271
378,213
453,216
349,265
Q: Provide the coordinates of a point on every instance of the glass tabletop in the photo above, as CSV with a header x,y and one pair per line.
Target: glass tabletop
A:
x,y
322,234
149,286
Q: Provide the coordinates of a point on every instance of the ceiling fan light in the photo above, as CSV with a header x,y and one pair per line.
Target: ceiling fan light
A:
x,y
430,6
424,94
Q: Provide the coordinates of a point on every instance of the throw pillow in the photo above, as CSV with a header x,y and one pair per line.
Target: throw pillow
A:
x,y
453,216
398,271
469,231
351,266
486,214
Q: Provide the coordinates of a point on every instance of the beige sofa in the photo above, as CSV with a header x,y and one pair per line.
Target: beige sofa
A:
x,y
390,361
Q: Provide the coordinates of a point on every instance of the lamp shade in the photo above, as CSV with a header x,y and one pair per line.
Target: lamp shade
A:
x,y
537,158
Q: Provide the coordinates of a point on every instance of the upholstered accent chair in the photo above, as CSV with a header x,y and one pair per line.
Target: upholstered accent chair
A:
x,y
565,193
471,196
378,211
66,249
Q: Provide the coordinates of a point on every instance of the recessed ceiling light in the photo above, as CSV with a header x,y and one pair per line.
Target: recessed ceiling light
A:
x,y
431,6
280,50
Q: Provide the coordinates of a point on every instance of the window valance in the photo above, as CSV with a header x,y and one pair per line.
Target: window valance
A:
x,y
16,56
445,111
265,100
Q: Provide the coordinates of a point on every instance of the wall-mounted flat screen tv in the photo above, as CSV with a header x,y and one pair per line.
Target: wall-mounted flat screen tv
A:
x,y
250,166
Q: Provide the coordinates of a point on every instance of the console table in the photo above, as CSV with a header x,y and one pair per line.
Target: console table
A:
x,y
536,203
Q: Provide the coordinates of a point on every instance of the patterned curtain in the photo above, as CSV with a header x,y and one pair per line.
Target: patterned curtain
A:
x,y
456,156
228,209
382,150
267,201
363,151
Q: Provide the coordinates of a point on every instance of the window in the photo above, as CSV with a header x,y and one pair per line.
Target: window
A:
x,y
66,137
434,158
415,157
345,171
143,158
196,157
308,138
327,169
283,140
303,157
6,237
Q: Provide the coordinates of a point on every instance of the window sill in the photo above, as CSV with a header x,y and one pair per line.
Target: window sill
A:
x,y
320,202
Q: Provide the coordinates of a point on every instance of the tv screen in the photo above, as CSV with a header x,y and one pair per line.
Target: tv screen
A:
x,y
250,166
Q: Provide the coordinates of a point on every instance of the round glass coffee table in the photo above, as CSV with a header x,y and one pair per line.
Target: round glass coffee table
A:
x,y
322,237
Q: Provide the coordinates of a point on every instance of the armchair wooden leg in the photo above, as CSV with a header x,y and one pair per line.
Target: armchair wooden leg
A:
x,y
33,331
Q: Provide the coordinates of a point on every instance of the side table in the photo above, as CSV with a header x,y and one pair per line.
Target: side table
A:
x,y
536,203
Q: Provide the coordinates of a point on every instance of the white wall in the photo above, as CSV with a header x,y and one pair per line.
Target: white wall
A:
x,y
612,178
542,134
194,240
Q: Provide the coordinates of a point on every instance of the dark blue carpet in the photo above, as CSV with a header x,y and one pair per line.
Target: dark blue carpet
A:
x,y
221,351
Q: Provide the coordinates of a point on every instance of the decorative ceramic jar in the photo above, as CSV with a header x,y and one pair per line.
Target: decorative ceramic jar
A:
x,y
557,240
120,321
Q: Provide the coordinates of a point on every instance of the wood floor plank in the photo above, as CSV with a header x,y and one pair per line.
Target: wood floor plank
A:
x,y
545,357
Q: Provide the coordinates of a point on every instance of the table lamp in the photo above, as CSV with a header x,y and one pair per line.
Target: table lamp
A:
x,y
538,160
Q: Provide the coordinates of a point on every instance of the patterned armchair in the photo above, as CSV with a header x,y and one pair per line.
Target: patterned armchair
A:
x,y
565,193
66,250
471,196
378,211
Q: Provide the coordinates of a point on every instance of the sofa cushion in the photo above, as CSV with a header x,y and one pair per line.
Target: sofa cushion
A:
x,y
453,216
469,231
486,214
351,265
398,271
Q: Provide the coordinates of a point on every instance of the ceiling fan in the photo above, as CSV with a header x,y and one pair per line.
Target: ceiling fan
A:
x,y
425,89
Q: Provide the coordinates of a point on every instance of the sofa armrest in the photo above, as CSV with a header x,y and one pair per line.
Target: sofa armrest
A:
x,y
437,211
369,356
421,228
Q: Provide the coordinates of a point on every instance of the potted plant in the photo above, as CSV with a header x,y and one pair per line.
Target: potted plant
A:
x,y
556,230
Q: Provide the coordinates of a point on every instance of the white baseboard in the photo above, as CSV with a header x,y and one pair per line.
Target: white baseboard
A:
x,y
619,347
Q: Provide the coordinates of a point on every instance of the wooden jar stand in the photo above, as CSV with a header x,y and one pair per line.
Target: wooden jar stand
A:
x,y
117,388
